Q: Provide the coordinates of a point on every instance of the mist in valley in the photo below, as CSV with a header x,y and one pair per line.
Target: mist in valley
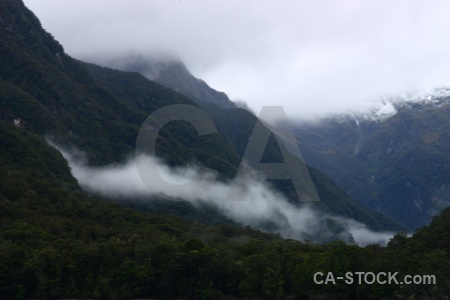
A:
x,y
247,200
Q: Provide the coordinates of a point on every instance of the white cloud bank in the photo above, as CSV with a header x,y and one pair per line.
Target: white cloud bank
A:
x,y
311,57
251,202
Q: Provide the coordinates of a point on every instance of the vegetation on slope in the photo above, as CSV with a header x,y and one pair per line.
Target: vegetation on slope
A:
x,y
57,242
400,168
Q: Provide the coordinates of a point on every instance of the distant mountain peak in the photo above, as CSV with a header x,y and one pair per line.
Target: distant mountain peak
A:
x,y
389,106
431,96
171,72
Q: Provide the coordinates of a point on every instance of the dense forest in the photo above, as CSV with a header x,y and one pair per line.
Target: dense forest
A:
x,y
58,241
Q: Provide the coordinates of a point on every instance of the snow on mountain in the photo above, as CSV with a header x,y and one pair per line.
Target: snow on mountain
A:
x,y
389,106
434,96
380,112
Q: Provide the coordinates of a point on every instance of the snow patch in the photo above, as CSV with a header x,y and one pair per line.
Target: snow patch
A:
x,y
379,111
356,119
435,95
383,109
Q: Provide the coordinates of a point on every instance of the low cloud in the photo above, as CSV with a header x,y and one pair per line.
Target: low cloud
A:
x,y
248,199
312,57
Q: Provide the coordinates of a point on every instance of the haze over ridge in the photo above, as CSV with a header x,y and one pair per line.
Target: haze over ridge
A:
x,y
313,58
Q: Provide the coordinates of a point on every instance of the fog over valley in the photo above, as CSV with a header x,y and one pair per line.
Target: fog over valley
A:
x,y
195,149
247,200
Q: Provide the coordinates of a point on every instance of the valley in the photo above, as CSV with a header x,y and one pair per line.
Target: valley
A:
x,y
77,220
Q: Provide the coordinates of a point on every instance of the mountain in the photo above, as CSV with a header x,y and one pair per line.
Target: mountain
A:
x,y
51,94
58,241
172,73
99,111
392,157
390,106
237,126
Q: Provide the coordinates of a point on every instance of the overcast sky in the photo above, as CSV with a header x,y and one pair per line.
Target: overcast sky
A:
x,y
312,57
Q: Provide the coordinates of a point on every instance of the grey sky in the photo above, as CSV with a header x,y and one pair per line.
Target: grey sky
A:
x,y
312,57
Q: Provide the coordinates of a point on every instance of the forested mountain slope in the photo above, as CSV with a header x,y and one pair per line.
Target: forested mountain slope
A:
x,y
237,125
57,241
399,165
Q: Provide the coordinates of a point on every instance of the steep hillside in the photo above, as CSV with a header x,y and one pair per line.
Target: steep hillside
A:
x,y
99,111
172,73
398,165
59,242
51,94
237,126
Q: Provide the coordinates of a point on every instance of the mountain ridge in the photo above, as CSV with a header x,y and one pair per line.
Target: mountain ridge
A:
x,y
100,111
380,111
60,242
388,163
172,73
237,125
